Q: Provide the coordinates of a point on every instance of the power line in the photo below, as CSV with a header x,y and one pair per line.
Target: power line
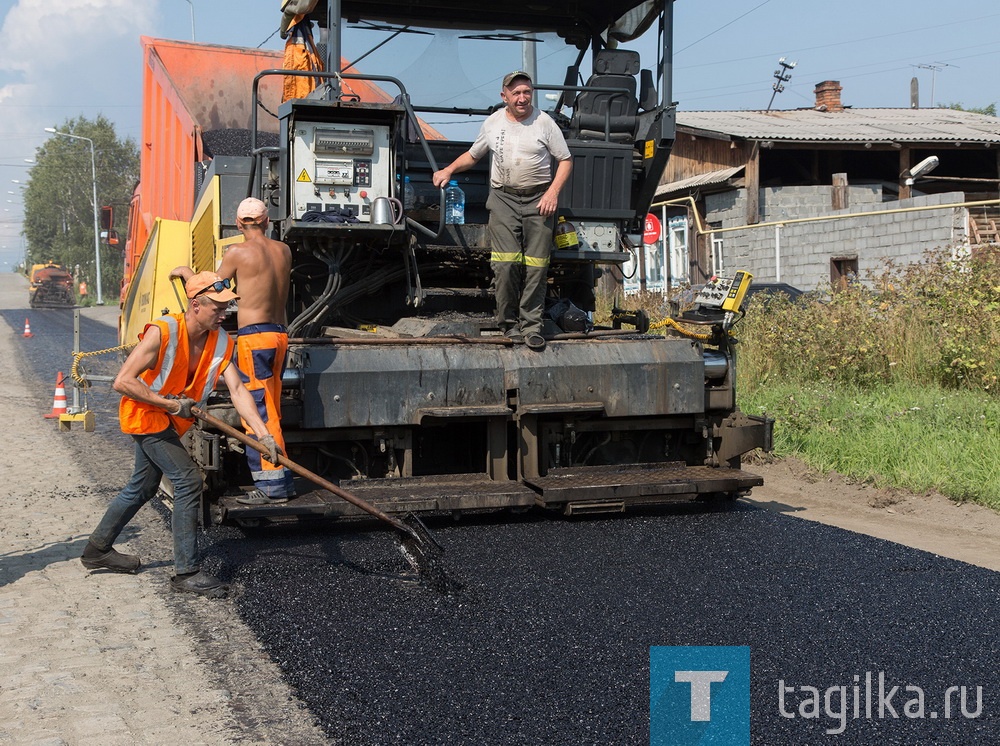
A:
x,y
712,33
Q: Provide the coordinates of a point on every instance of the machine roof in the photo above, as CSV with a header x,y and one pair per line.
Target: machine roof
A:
x,y
567,17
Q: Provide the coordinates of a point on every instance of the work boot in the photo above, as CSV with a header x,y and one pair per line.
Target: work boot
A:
x,y
535,341
256,497
200,583
96,559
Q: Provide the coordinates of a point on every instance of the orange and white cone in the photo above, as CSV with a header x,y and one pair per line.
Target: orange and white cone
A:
x,y
59,402
27,329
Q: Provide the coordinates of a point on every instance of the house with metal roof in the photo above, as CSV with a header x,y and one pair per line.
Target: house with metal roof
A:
x,y
819,195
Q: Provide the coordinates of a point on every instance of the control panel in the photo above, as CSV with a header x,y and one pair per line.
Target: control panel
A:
x,y
725,293
339,169
596,236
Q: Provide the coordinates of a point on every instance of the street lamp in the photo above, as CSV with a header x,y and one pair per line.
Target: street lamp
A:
x,y
191,3
97,229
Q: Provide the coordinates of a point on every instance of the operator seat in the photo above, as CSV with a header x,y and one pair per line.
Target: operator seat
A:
x,y
613,68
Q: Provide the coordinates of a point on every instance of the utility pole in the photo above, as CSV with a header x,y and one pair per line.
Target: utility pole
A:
x,y
191,3
781,76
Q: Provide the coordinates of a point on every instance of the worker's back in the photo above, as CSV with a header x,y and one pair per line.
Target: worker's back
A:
x,y
261,267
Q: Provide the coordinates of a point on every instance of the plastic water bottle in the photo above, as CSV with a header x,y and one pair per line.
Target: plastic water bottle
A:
x,y
409,195
454,204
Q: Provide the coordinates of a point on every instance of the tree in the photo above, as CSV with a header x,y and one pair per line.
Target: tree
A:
x,y
58,201
989,110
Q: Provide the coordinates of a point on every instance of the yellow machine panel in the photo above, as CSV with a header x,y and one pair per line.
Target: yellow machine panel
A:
x,y
734,298
151,293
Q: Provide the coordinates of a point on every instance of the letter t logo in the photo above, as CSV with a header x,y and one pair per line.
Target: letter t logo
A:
x,y
699,695
701,691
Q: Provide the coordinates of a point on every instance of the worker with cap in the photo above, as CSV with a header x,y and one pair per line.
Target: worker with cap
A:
x,y
174,367
261,268
524,195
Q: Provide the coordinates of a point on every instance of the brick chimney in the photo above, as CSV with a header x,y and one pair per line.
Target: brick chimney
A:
x,y
828,95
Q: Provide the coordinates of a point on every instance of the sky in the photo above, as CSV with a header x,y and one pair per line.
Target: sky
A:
x,y
60,60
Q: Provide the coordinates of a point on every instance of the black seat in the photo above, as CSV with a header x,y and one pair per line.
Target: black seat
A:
x,y
601,115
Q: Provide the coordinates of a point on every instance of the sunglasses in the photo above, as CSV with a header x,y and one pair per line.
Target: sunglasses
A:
x,y
218,286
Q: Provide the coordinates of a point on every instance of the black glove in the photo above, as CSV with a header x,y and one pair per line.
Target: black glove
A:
x,y
185,410
272,448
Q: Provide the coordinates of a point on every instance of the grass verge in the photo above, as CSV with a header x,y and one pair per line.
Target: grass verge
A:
x,y
917,438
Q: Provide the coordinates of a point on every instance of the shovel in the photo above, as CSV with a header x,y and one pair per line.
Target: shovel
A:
x,y
420,550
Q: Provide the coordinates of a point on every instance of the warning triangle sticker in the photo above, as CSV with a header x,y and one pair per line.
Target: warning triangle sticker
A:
x,y
303,176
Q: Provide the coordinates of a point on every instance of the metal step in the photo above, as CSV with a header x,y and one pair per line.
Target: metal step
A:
x,y
414,494
583,489
441,492
637,484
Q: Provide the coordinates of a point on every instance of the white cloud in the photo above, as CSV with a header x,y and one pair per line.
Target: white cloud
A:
x,y
39,35
60,60
71,58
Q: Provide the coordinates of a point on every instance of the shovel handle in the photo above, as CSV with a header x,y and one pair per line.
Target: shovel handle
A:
x,y
304,472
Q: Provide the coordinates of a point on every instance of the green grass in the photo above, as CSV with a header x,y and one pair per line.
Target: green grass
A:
x,y
918,438
893,381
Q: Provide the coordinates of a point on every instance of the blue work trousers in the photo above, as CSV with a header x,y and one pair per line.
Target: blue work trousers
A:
x,y
157,455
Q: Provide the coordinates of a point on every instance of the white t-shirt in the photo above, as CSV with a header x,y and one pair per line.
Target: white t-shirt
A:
x,y
522,151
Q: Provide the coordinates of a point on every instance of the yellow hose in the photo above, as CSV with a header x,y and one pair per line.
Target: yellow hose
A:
x,y
669,322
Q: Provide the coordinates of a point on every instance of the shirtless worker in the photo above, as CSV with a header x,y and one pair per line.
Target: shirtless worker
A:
x,y
261,268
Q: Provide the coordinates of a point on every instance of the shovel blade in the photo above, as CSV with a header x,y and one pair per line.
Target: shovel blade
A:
x,y
423,554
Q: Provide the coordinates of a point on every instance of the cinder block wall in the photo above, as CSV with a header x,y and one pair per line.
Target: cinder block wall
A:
x,y
806,249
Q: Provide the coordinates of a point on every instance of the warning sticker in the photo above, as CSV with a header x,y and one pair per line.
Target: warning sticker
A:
x,y
303,176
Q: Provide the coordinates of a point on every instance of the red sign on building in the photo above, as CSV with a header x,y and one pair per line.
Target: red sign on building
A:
x,y
651,233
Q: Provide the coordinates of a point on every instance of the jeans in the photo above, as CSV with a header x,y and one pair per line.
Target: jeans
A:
x,y
157,455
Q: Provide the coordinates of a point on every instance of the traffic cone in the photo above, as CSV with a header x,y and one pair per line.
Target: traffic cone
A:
x,y
27,329
59,402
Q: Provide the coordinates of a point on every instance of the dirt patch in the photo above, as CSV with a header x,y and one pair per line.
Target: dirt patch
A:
x,y
932,522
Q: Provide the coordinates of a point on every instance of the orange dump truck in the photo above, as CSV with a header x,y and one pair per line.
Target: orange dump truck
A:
x,y
51,286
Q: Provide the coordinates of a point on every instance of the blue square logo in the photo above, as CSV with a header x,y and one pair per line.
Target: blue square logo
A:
x,y
699,695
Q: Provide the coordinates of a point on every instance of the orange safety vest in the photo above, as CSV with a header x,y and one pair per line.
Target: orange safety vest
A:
x,y
170,376
300,54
